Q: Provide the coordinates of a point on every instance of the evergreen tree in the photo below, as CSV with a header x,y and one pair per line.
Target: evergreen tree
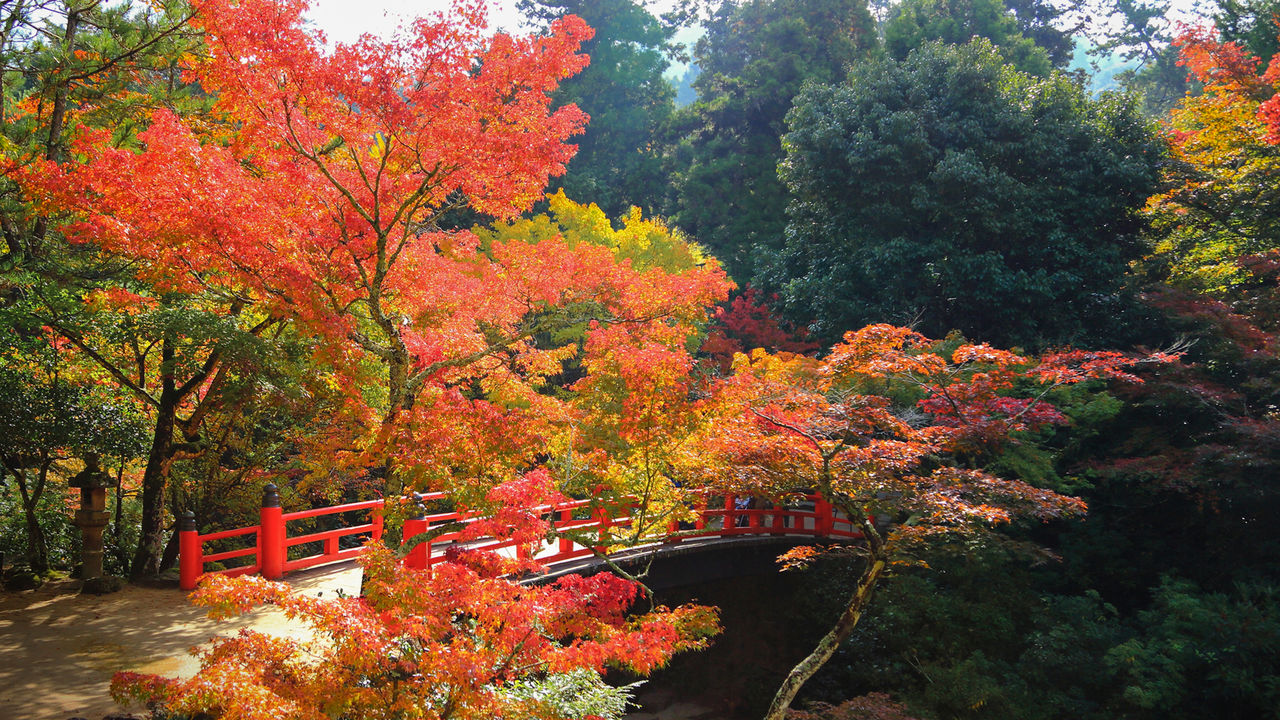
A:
x,y
754,59
627,97
951,189
915,22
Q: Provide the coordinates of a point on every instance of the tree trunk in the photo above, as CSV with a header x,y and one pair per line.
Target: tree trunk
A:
x,y
37,543
170,556
117,529
828,645
146,560
57,117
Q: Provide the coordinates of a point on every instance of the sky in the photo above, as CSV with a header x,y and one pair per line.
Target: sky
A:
x,y
345,20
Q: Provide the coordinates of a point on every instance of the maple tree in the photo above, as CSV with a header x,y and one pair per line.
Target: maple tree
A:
x,y
104,67
749,321
887,428
725,147
630,390
313,193
1220,204
460,641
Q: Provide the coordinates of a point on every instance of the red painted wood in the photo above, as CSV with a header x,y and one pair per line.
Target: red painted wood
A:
x,y
190,558
272,541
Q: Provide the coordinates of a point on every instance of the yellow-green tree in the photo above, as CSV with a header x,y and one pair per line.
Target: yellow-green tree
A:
x,y
1221,201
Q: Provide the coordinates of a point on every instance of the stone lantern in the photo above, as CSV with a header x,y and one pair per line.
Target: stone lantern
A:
x,y
92,516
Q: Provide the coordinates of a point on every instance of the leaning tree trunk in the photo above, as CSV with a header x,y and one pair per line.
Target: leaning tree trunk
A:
x,y
146,559
830,642
37,543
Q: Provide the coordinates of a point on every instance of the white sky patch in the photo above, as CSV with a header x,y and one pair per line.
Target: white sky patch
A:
x,y
346,20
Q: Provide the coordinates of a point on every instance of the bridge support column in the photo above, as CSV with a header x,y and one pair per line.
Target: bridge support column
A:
x,y
272,552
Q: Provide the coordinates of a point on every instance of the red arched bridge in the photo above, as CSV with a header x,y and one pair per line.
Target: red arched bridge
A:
x,y
272,538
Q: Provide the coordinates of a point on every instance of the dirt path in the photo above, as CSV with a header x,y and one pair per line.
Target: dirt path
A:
x,y
58,648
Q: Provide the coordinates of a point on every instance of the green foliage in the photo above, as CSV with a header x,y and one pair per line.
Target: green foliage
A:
x,y
971,639
580,693
916,22
1206,654
60,536
952,190
46,415
753,60
624,91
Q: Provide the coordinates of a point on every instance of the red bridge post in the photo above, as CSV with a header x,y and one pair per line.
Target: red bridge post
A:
x,y
566,545
823,521
190,552
271,534
603,523
418,557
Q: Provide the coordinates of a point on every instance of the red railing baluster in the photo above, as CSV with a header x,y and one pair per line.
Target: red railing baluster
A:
x,y
272,535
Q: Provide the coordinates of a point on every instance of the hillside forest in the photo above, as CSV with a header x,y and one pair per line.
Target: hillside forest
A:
x,y
905,256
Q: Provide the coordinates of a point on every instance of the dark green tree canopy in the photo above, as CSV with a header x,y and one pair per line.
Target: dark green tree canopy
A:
x,y
915,22
754,59
627,97
953,190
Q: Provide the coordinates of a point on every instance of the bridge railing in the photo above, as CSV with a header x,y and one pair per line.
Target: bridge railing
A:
x,y
591,527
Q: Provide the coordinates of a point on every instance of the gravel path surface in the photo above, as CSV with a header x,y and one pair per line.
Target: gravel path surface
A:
x,y
59,648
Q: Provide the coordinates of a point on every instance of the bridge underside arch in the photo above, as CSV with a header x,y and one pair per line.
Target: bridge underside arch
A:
x,y
692,562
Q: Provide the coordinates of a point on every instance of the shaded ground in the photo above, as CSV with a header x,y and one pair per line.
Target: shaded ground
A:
x,y
58,648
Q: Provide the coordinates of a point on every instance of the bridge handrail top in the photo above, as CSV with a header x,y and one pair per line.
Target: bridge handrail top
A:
x,y
223,534
333,509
